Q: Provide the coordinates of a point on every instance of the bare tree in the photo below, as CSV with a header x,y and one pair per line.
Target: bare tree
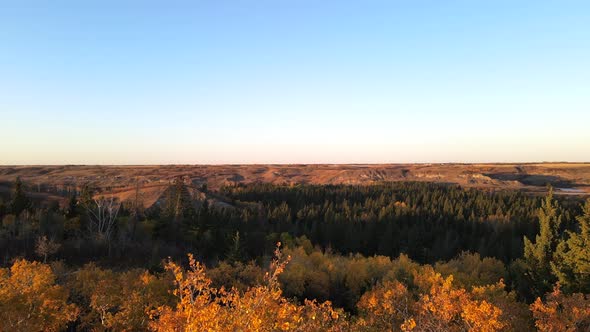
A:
x,y
103,213
46,247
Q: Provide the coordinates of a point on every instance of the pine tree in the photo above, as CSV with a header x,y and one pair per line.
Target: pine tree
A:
x,y
72,209
539,255
235,253
20,201
572,258
2,208
178,201
86,196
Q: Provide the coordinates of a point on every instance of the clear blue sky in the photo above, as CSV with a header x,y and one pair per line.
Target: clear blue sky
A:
x,y
293,81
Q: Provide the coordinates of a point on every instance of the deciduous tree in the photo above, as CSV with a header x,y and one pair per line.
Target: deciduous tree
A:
x,y
30,300
562,313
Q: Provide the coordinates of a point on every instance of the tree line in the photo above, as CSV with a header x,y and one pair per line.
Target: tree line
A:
x,y
493,260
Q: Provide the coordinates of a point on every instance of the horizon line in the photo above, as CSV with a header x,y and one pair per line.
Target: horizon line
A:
x,y
305,164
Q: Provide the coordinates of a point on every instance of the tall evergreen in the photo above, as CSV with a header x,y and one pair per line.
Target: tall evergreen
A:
x,y
86,196
72,207
572,258
539,255
178,204
235,253
2,208
20,202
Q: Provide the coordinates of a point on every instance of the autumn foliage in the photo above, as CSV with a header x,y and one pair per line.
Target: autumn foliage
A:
x,y
30,300
434,305
261,308
560,312
116,301
416,299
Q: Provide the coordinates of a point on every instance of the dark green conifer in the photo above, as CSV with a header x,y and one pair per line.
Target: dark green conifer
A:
x,y
571,263
539,255
20,202
235,253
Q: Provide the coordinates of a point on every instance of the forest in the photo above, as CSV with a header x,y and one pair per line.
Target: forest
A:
x,y
396,256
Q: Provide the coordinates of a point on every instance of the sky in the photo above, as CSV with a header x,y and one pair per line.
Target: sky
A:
x,y
293,81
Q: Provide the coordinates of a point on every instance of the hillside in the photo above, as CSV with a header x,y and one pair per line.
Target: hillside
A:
x,y
568,178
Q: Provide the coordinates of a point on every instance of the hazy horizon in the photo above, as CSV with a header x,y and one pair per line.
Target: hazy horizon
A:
x,y
294,82
308,164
